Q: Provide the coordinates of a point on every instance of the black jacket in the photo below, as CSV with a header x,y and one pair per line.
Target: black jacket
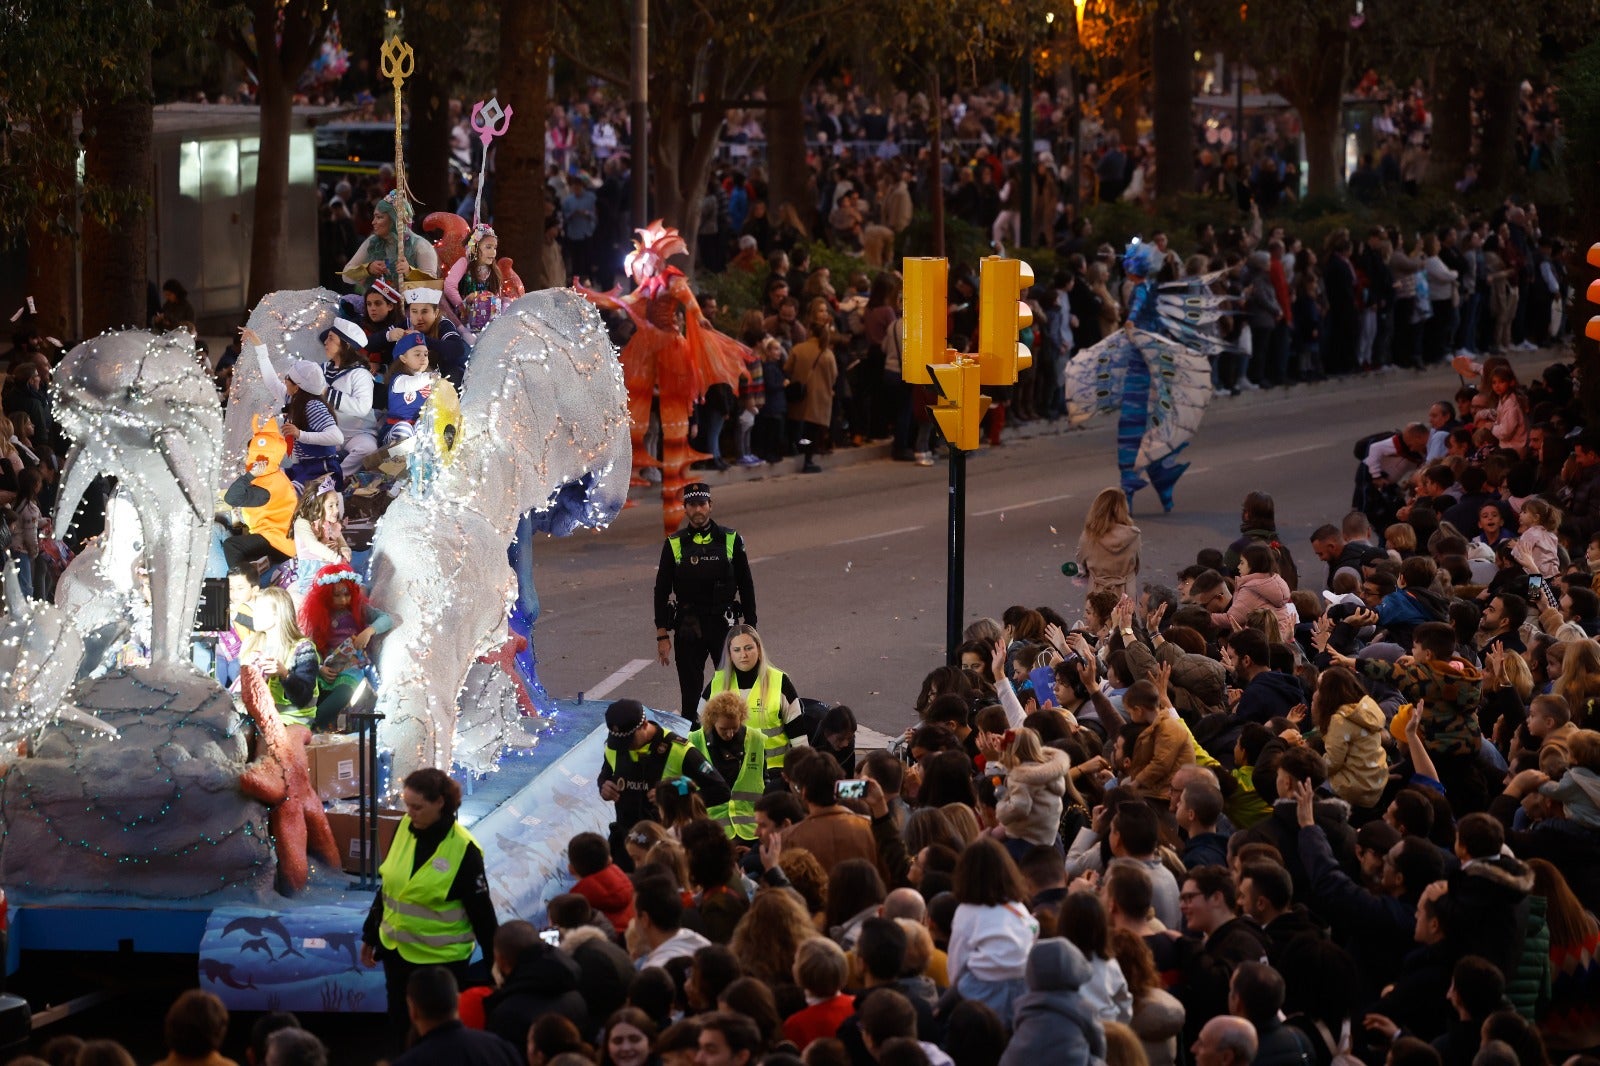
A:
x,y
1490,897
1294,924
639,776
1416,1001
605,972
545,981
1375,929
850,1030
1208,967
1278,1044
453,1044
1281,829
707,581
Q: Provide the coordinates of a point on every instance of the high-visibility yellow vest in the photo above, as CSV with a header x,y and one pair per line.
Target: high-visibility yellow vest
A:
x,y
738,815
701,538
418,921
675,754
766,716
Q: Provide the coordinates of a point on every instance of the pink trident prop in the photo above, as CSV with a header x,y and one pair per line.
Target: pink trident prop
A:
x,y
490,121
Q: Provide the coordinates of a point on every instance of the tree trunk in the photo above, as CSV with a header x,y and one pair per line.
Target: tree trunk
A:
x,y
1172,58
1123,100
1319,120
519,206
271,222
118,165
1452,127
50,280
786,159
682,170
428,100
428,141
1498,150
50,248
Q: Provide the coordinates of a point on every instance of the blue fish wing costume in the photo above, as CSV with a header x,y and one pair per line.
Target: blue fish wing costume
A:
x,y
1157,376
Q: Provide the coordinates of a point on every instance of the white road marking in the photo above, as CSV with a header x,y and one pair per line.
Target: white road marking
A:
x,y
878,536
1291,451
1021,506
618,678
759,559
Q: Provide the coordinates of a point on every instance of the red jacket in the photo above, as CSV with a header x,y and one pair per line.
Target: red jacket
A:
x,y
820,1021
611,893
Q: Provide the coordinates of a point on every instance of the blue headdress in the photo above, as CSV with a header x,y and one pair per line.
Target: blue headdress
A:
x,y
1141,259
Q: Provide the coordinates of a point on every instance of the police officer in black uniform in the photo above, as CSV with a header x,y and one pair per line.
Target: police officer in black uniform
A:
x,y
703,586
639,756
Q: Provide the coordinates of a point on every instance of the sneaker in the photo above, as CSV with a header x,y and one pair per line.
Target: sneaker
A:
x,y
1527,346
924,459
749,460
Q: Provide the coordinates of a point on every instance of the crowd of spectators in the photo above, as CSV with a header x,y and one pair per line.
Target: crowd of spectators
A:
x,y
1284,811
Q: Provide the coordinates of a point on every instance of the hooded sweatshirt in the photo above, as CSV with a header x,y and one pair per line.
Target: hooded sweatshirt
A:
x,y
1031,807
1357,767
1451,691
1111,561
611,893
1053,1022
1254,592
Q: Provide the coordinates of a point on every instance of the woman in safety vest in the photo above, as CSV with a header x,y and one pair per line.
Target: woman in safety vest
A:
x,y
434,902
739,755
769,694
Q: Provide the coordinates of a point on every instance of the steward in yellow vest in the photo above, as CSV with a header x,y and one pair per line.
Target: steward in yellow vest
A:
x,y
739,754
769,695
433,904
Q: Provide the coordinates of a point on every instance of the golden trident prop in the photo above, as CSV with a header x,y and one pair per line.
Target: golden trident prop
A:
x,y
398,61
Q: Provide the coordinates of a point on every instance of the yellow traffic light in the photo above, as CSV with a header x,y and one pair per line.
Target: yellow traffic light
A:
x,y
1001,316
1592,329
960,407
926,318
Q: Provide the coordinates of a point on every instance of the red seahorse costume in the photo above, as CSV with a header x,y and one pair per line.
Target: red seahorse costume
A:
x,y
680,365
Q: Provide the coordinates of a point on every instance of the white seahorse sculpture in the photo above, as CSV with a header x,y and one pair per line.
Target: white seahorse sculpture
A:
x,y
544,427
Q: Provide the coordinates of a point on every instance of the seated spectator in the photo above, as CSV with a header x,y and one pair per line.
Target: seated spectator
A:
x,y
1054,1022
605,970
1256,995
196,1026
821,970
657,934
431,999
536,979
600,881
1199,810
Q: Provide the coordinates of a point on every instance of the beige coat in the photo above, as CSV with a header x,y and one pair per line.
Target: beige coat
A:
x,y
817,371
1031,808
1111,562
1357,767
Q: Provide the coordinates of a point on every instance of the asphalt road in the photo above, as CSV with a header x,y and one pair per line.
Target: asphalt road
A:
x,y
850,565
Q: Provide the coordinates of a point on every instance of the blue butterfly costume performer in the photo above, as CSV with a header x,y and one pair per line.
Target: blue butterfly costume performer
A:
x,y
1155,373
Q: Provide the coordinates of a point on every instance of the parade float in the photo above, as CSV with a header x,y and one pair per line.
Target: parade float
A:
x,y
147,808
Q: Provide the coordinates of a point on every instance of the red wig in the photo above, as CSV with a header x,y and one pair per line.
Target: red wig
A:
x,y
316,613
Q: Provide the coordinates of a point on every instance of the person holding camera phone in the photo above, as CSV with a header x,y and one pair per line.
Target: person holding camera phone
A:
x,y
830,831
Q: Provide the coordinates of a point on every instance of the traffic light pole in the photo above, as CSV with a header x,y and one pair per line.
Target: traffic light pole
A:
x,y
955,576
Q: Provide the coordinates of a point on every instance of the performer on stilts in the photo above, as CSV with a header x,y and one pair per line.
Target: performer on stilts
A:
x,y
678,362
1155,372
